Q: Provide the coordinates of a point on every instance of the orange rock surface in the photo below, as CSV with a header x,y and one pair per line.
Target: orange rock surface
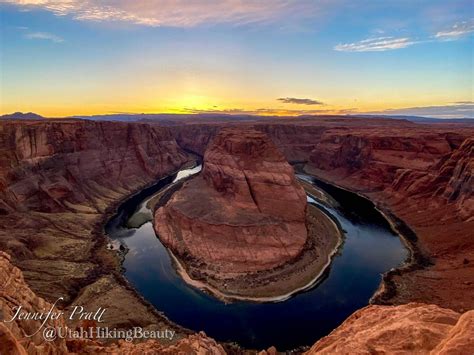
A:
x,y
413,328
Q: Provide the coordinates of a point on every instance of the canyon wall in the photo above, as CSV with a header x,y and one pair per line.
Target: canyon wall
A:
x,y
58,183
422,176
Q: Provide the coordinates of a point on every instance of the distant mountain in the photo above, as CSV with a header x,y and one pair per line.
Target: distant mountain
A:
x,y
419,119
22,116
173,119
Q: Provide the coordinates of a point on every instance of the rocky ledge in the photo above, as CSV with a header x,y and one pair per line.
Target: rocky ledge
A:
x,y
243,220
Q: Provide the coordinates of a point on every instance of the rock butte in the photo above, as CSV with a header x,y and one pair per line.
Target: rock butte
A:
x,y
245,213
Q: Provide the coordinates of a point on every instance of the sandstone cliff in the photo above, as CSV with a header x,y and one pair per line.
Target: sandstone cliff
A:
x,y
424,177
245,213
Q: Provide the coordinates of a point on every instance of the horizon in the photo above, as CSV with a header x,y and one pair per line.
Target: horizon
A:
x,y
67,58
127,116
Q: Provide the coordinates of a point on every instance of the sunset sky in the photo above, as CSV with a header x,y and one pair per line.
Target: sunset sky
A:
x,y
71,57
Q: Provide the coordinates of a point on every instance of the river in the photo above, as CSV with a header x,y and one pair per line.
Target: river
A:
x,y
370,248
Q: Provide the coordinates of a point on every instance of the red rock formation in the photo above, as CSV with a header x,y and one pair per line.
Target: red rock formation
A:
x,y
245,213
412,328
75,165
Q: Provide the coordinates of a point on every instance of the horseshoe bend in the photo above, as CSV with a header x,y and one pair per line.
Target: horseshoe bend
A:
x,y
242,228
244,219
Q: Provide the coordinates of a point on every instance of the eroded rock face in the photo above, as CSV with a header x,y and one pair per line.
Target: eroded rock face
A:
x,y
74,166
412,328
244,213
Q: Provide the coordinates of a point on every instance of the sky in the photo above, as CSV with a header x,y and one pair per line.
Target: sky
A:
x,y
276,57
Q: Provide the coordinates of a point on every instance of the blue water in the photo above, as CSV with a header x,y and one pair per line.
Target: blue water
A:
x,y
370,248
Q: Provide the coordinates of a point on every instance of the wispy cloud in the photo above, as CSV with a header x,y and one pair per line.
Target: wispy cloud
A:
x,y
458,30
378,44
44,36
294,100
459,109
181,13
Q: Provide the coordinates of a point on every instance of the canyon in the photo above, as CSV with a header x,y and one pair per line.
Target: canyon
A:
x,y
60,180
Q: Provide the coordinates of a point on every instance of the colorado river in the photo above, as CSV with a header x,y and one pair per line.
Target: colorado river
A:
x,y
370,248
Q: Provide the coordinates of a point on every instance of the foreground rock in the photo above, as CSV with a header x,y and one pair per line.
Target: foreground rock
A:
x,y
407,329
15,336
245,213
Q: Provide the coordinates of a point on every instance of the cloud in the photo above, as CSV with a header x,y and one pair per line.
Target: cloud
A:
x,y
294,100
456,31
181,13
460,109
378,44
44,36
